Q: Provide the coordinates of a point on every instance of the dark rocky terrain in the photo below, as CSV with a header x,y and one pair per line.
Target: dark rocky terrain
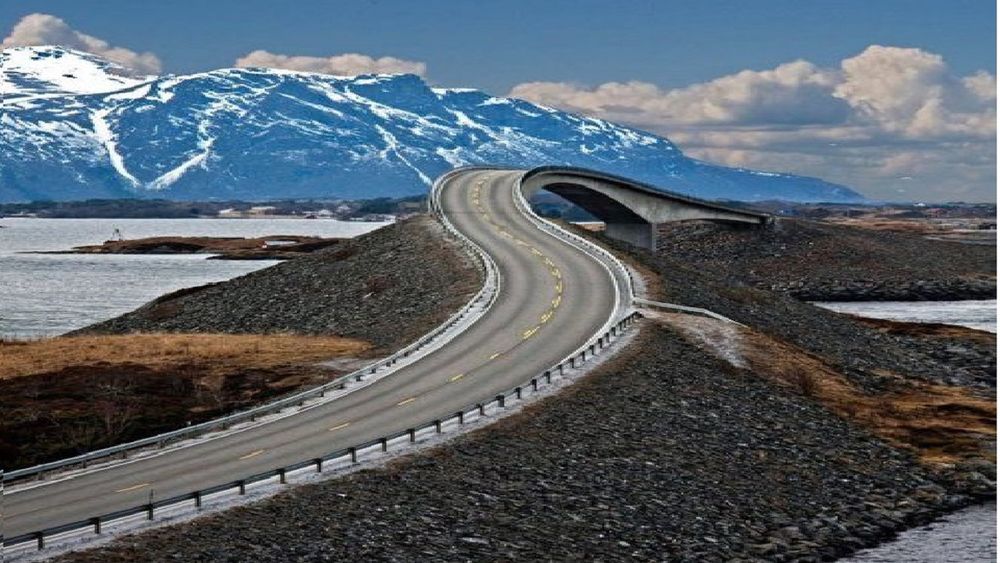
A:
x,y
697,461
664,453
388,288
823,262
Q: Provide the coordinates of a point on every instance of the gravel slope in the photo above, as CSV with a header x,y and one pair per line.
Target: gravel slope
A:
x,y
822,262
665,454
387,287
857,349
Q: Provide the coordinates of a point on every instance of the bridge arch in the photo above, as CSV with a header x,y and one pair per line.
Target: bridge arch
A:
x,y
631,210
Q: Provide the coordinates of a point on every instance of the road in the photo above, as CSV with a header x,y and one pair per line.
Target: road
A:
x,y
552,299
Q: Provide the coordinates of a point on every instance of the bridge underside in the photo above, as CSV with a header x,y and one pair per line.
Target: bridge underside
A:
x,y
620,222
631,212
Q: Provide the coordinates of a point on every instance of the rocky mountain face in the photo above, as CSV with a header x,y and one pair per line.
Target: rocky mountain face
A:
x,y
74,126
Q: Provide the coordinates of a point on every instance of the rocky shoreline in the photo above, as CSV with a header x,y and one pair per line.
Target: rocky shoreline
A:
x,y
815,261
949,289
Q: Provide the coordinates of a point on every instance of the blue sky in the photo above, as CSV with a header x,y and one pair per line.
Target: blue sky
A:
x,y
894,98
495,45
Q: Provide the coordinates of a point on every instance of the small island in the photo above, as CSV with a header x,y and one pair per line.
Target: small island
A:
x,y
274,247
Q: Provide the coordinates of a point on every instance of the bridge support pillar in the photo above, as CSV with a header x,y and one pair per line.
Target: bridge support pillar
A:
x,y
642,235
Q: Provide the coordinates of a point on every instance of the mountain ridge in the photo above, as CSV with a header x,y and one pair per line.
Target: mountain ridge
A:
x,y
77,127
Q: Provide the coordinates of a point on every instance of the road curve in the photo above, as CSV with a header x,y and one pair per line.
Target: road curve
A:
x,y
553,298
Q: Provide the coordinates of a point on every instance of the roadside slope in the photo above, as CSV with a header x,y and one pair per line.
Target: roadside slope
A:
x,y
387,287
697,461
822,262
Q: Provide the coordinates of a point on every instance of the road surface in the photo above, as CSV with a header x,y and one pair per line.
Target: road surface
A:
x,y
552,299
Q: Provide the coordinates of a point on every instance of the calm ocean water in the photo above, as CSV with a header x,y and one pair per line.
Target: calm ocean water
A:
x,y
981,315
48,294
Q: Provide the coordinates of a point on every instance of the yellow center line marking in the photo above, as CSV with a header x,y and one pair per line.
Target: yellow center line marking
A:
x,y
252,454
546,316
495,356
535,251
529,333
548,262
557,301
132,488
559,287
406,401
457,377
339,426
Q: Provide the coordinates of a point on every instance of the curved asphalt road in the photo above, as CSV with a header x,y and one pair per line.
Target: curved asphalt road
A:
x,y
552,299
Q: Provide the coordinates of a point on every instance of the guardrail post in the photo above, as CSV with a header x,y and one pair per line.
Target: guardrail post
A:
x,y
243,486
437,426
385,444
149,511
482,409
548,377
319,464
354,454
197,500
40,540
500,399
97,524
413,435
461,417
282,476
534,384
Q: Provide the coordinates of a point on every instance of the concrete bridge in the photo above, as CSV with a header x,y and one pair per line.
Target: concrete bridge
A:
x,y
631,210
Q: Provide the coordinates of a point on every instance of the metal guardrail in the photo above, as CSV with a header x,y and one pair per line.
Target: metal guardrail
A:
x,y
345,457
484,299
684,309
354,455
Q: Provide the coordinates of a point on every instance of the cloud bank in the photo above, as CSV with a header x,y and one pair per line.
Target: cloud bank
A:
x,y
45,29
349,64
894,122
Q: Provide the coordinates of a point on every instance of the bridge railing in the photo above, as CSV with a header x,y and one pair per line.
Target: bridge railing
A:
x,y
474,308
340,460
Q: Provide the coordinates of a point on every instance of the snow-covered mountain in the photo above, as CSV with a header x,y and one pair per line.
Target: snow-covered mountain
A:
x,y
74,126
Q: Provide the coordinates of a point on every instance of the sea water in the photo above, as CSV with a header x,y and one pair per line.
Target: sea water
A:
x,y
48,294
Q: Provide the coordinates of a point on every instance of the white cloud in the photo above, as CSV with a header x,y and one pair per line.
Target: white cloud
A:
x,y
349,64
883,114
45,29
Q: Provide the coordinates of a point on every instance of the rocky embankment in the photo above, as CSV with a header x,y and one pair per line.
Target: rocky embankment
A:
x,y
667,453
869,356
822,262
387,287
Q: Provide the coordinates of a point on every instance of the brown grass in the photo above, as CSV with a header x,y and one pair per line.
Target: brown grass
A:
x,y
215,352
929,330
941,424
